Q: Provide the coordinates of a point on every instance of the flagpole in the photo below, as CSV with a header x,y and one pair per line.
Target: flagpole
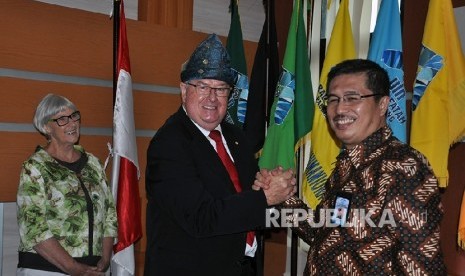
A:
x,y
116,19
294,238
401,11
293,235
267,88
116,23
261,261
268,53
267,115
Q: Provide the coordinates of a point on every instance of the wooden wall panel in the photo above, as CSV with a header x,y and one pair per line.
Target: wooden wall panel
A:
x,y
414,18
79,43
162,50
152,109
48,38
16,147
170,13
458,3
19,98
454,257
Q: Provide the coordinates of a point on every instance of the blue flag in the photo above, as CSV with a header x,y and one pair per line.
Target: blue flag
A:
x,y
386,50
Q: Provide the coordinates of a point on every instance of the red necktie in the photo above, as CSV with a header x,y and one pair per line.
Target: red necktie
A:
x,y
231,168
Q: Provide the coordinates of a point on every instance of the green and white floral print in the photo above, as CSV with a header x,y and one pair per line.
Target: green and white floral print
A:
x,y
51,203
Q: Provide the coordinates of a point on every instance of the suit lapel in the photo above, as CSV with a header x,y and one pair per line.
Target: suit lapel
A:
x,y
202,148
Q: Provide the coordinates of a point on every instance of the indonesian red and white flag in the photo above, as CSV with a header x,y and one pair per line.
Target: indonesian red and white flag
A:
x,y
125,174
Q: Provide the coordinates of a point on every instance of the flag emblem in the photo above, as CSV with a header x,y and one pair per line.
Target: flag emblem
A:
x,y
239,95
285,92
397,93
430,64
321,100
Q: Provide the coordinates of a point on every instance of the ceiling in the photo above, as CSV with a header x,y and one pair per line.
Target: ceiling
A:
x,y
212,15
209,15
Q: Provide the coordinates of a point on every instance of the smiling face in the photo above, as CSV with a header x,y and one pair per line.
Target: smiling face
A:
x,y
354,122
65,135
206,111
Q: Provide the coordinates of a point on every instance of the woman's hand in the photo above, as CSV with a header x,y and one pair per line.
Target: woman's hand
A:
x,y
79,269
104,262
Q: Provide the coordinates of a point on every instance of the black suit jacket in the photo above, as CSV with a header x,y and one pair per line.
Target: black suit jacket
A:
x,y
196,222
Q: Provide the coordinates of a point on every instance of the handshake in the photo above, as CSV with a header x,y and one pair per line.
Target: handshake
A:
x,y
277,184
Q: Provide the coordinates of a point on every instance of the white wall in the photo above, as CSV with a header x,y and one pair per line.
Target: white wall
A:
x,y
97,6
213,16
10,240
460,19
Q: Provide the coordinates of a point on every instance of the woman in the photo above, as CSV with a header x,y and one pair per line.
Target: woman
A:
x,y
66,214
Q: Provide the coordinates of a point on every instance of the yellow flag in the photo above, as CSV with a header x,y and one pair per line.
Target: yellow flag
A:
x,y
325,146
438,104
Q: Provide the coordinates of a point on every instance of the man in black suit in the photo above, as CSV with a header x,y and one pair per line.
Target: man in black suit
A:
x,y
201,209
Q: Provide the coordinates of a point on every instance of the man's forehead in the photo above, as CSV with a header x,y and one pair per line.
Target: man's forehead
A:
x,y
209,81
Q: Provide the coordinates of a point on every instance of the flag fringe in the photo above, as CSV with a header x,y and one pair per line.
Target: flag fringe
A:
x,y
460,139
443,182
302,141
461,227
461,238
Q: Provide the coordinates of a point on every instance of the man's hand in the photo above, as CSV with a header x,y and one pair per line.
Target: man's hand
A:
x,y
262,180
277,184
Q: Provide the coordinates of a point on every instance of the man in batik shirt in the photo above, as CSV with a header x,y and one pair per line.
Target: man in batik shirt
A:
x,y
381,211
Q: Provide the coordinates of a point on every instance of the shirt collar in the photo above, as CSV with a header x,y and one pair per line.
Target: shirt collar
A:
x,y
368,148
204,131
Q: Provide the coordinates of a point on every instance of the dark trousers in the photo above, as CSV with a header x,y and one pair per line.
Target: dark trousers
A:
x,y
249,266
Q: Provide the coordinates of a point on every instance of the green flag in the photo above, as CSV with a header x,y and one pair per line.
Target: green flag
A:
x,y
293,105
237,104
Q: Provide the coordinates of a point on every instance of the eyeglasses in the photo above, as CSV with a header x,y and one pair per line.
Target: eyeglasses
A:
x,y
204,90
64,120
348,99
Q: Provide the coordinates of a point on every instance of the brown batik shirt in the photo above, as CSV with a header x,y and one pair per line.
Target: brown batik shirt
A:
x,y
392,226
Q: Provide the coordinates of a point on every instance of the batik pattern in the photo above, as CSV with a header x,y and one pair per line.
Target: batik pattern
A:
x,y
394,182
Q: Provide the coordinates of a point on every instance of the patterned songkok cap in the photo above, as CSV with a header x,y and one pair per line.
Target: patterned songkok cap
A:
x,y
210,60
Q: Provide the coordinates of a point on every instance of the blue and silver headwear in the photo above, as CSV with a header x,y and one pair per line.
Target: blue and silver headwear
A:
x,y
210,60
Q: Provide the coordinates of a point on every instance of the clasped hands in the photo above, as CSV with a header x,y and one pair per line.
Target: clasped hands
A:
x,y
86,270
277,184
